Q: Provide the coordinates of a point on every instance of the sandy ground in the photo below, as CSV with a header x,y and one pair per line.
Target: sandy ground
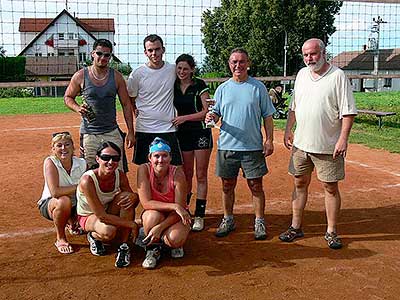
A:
x,y
235,267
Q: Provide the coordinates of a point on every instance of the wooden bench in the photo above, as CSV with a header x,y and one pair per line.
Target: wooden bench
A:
x,y
378,114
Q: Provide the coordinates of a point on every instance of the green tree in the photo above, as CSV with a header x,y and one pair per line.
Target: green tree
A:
x,y
259,26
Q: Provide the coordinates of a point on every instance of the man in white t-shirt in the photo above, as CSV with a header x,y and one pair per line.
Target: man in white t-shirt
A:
x,y
323,109
151,88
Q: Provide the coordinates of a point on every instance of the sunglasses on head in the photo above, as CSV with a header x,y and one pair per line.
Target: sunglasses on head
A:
x,y
107,157
57,133
101,53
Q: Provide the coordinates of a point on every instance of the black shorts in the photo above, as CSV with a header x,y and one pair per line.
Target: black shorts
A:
x,y
197,139
143,141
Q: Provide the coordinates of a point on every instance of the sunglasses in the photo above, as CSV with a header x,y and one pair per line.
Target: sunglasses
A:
x,y
105,54
106,157
57,133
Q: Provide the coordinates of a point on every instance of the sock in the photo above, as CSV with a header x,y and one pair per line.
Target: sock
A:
x,y
259,220
188,196
229,218
200,208
124,246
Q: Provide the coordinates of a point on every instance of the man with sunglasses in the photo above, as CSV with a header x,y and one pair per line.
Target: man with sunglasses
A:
x,y
151,88
99,85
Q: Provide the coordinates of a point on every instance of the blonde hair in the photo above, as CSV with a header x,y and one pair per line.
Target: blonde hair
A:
x,y
61,136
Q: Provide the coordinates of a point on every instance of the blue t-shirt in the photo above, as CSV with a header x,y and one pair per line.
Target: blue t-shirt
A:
x,y
242,106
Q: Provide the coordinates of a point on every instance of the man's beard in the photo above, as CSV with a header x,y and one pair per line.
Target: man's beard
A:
x,y
318,65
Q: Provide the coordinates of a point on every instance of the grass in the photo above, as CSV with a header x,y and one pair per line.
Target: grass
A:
x,y
365,129
35,105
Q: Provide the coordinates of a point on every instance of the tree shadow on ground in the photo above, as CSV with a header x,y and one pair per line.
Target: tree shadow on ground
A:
x,y
239,252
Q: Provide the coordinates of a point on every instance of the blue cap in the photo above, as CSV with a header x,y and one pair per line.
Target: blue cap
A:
x,y
159,145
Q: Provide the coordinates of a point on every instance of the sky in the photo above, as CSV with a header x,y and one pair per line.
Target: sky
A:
x,y
179,23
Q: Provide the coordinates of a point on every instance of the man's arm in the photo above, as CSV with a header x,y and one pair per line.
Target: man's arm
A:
x,y
288,138
342,143
269,133
73,90
126,108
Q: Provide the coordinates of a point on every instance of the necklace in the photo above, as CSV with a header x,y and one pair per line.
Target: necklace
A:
x,y
97,78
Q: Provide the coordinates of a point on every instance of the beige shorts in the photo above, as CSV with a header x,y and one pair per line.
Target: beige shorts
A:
x,y
91,142
328,169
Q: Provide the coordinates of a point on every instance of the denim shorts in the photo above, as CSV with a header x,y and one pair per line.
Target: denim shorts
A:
x,y
252,163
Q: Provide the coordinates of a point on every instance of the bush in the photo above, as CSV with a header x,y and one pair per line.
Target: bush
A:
x,y
12,69
16,92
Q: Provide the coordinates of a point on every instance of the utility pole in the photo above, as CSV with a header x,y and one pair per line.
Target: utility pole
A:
x,y
374,43
285,47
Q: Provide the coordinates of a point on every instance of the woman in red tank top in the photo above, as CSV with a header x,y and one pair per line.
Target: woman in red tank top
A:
x,y
162,193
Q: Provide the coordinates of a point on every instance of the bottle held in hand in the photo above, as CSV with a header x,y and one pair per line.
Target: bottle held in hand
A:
x,y
210,103
90,115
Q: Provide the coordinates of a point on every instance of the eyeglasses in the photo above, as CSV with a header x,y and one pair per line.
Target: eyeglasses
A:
x,y
101,53
57,133
106,157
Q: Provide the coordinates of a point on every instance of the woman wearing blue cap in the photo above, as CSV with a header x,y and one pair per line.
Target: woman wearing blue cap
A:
x,y
162,193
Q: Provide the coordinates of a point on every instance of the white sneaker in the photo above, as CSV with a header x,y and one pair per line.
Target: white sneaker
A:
x,y
198,224
177,252
152,257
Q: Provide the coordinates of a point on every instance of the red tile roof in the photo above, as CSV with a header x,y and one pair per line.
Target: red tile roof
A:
x,y
91,25
389,59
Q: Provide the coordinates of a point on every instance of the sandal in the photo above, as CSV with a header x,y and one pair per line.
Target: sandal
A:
x,y
334,242
291,234
63,247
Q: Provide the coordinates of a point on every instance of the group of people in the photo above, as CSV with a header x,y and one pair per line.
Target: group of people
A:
x,y
171,140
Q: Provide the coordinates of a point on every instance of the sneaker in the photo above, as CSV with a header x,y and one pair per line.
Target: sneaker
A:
x,y
123,258
291,234
260,232
334,242
152,257
96,247
225,228
198,224
177,252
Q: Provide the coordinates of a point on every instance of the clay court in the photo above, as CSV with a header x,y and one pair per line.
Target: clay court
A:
x,y
236,267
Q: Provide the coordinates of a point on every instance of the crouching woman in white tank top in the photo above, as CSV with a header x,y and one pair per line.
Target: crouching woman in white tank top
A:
x,y
106,205
62,171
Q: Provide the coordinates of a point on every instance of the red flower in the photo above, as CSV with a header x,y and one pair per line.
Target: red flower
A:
x,y
49,42
82,42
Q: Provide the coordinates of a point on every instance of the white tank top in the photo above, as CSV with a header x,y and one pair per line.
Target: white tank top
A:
x,y
83,207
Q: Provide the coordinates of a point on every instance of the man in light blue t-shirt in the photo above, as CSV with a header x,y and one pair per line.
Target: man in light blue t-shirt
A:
x,y
242,103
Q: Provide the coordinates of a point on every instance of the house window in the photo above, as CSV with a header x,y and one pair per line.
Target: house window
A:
x,y
71,53
82,56
61,53
38,54
61,36
388,82
70,36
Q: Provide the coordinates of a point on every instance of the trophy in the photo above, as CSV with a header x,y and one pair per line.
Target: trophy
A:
x,y
90,115
210,104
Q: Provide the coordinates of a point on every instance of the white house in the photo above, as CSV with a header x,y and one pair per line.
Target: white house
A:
x,y
56,48
362,63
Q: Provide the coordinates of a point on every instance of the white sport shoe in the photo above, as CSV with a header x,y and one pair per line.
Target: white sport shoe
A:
x,y
152,257
198,224
177,252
